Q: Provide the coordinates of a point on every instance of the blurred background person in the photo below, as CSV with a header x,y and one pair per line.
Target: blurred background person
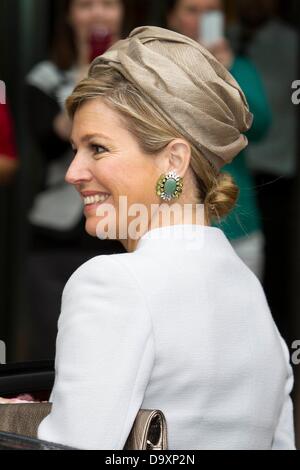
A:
x,y
272,45
243,225
8,154
58,242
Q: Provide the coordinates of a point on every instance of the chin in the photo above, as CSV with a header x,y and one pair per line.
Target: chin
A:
x,y
91,227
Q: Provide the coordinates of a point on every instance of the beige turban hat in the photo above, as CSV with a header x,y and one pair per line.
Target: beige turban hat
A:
x,y
187,85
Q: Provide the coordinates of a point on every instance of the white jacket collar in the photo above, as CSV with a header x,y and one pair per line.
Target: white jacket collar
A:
x,y
192,234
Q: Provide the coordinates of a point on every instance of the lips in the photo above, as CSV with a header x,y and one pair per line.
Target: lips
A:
x,y
91,193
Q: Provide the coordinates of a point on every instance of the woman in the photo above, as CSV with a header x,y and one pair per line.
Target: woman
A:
x,y
57,237
159,326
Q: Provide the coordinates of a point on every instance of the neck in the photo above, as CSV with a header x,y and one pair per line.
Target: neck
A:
x,y
83,48
176,215
83,54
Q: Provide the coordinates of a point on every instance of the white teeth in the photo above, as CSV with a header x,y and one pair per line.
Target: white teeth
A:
x,y
94,199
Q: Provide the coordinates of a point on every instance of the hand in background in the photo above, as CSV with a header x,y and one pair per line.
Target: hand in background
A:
x,y
62,123
8,168
222,52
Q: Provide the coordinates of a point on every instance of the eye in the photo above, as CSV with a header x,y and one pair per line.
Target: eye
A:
x,y
98,149
74,151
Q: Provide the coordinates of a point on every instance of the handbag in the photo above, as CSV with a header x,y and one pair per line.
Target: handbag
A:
x,y
19,421
22,419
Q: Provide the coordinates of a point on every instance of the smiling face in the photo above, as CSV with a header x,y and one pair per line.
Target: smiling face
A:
x,y
86,15
185,16
111,163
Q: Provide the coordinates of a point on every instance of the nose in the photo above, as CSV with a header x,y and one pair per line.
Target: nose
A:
x,y
77,172
98,11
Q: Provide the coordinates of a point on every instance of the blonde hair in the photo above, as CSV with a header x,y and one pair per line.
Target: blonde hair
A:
x,y
217,191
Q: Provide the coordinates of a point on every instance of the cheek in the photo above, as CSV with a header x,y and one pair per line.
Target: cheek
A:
x,y
80,20
140,186
114,19
129,178
114,176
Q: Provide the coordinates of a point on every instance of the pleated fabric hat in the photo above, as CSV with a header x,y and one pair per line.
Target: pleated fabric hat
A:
x,y
187,85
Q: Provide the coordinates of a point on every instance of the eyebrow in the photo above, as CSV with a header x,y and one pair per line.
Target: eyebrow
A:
x,y
89,137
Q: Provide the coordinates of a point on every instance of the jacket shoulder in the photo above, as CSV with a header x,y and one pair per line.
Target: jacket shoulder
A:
x,y
99,267
102,282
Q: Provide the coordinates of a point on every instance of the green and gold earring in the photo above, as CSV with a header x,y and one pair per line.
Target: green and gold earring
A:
x,y
169,186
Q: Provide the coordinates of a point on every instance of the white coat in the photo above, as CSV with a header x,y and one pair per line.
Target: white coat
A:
x,y
182,325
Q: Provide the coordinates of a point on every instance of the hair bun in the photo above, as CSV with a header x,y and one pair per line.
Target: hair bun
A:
x,y
222,196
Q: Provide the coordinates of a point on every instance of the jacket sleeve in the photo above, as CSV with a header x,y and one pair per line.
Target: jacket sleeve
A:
x,y
104,358
284,437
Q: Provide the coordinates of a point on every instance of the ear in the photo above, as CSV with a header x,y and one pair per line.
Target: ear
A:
x,y
178,156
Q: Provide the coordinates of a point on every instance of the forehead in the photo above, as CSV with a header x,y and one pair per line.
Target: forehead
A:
x,y
95,116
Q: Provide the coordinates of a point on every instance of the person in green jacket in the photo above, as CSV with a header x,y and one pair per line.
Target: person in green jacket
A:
x,y
243,225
